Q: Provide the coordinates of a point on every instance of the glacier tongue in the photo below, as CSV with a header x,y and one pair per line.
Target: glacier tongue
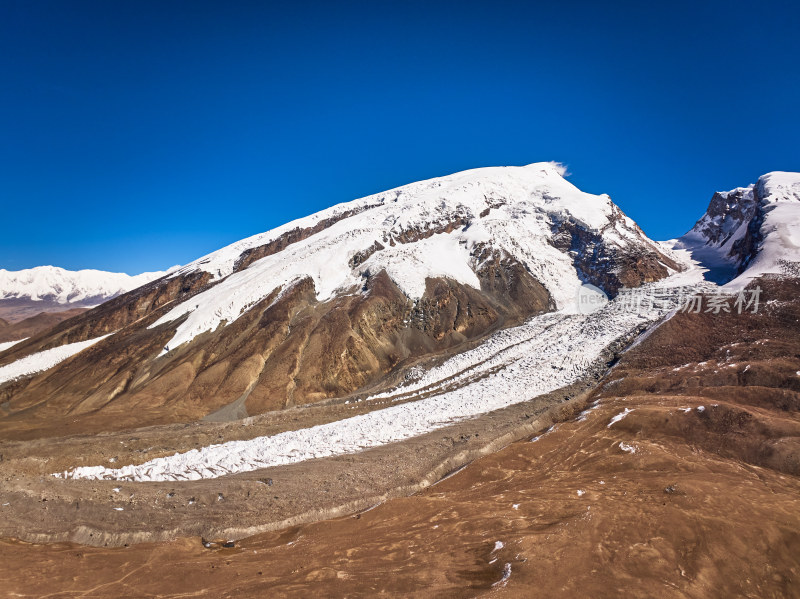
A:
x,y
512,366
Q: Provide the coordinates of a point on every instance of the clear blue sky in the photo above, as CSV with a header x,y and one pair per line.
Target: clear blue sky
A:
x,y
135,135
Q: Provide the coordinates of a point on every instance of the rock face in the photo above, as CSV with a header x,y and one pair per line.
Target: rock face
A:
x,y
606,266
336,302
750,231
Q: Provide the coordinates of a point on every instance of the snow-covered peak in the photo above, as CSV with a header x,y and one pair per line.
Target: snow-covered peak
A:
x,y
749,231
423,203
64,286
779,186
777,239
422,230
721,225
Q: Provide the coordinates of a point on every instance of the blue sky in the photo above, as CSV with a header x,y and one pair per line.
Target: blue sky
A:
x,y
138,135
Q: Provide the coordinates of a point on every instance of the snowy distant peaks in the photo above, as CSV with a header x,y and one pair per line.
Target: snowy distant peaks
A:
x,y
62,286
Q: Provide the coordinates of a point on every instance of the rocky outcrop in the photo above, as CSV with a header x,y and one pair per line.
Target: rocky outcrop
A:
x,y
749,231
726,212
115,314
250,255
607,266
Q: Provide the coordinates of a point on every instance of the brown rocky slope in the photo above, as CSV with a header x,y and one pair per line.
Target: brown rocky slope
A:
x,y
694,492
34,325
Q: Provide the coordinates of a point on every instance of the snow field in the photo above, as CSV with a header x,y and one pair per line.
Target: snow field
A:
x,y
44,360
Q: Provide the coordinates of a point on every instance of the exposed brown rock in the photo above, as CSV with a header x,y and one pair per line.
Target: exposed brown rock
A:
x,y
292,351
295,235
114,314
457,221
364,254
606,266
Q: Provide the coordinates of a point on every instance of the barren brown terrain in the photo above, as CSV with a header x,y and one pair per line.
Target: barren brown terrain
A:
x,y
14,310
681,479
34,325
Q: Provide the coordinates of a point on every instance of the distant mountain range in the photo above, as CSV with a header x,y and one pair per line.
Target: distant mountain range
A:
x,y
35,299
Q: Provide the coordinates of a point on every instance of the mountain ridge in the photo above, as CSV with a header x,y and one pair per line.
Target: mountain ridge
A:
x,y
381,372
340,300
349,298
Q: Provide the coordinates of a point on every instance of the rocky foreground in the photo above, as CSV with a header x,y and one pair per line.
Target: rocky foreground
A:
x,y
681,478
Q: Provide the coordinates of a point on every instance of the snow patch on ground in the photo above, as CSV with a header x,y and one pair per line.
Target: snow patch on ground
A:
x,y
44,360
7,344
549,429
585,413
506,575
619,416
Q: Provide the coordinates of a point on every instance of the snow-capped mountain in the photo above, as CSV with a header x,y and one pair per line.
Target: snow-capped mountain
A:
x,y
447,227
749,231
81,287
344,299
